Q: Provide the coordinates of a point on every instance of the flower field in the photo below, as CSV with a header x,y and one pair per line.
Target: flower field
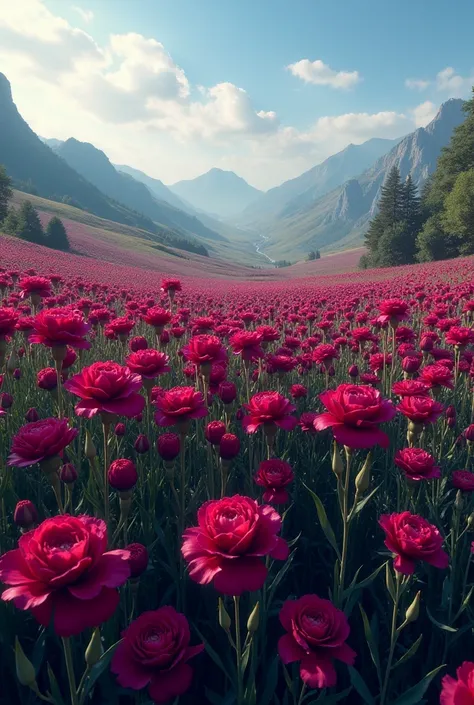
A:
x,y
235,492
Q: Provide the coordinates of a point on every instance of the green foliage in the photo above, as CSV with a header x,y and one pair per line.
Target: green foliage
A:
x,y
5,192
447,200
314,254
458,216
279,264
11,223
56,235
391,238
29,225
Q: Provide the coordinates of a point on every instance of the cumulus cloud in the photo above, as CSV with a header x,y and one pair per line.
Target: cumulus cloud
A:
x,y
424,113
417,84
86,15
452,84
320,74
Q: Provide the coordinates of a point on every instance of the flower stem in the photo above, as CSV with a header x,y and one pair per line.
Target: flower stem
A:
x,y
106,430
70,670
238,651
345,525
393,638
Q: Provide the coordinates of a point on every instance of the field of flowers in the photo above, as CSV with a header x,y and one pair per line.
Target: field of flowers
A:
x,y
235,493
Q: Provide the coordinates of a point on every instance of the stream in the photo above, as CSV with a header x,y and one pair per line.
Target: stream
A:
x,y
258,244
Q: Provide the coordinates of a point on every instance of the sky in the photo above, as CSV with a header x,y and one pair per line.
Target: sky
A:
x,y
266,88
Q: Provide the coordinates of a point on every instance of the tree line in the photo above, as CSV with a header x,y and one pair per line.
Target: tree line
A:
x,y
25,223
436,224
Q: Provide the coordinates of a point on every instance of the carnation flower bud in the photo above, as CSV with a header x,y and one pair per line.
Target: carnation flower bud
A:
x,y
122,475
411,364
94,649
214,432
26,514
68,474
468,433
6,401
337,464
138,343
13,362
450,411
229,446
353,371
239,415
470,520
138,560
168,446
89,448
142,444
224,619
31,415
119,430
413,611
25,671
458,502
362,480
331,371
254,619
426,344
451,421
17,374
227,392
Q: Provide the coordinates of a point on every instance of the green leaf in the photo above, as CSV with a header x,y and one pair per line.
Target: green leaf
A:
x,y
98,668
279,577
53,683
331,699
361,686
408,654
415,694
38,650
371,643
389,581
213,654
271,680
445,627
360,505
324,521
216,699
363,583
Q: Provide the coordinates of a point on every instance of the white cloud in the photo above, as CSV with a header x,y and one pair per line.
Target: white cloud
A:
x,y
320,74
129,97
424,113
417,84
452,84
86,15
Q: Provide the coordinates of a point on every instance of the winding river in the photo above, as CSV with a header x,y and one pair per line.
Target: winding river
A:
x,y
260,243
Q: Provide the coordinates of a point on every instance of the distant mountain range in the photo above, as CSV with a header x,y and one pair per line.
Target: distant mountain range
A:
x,y
220,193
326,208
318,181
338,218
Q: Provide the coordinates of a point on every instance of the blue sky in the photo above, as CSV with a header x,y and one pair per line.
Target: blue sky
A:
x,y
267,88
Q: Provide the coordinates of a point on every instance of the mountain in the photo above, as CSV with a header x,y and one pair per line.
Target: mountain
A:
x,y
339,219
157,188
53,142
317,181
34,166
218,192
95,166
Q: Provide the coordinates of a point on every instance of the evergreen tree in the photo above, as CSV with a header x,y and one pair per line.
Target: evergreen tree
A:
x,y
411,218
392,249
5,192
447,231
458,216
11,222
29,224
56,235
390,212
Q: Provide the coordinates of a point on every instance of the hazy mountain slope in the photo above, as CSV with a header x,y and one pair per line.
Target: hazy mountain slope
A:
x,y
339,219
316,182
157,188
29,161
95,166
218,192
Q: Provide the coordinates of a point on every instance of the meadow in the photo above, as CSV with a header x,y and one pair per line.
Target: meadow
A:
x,y
234,486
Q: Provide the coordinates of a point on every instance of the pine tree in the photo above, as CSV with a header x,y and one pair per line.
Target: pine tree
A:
x,y
56,235
458,216
390,212
11,222
411,218
5,193
29,224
